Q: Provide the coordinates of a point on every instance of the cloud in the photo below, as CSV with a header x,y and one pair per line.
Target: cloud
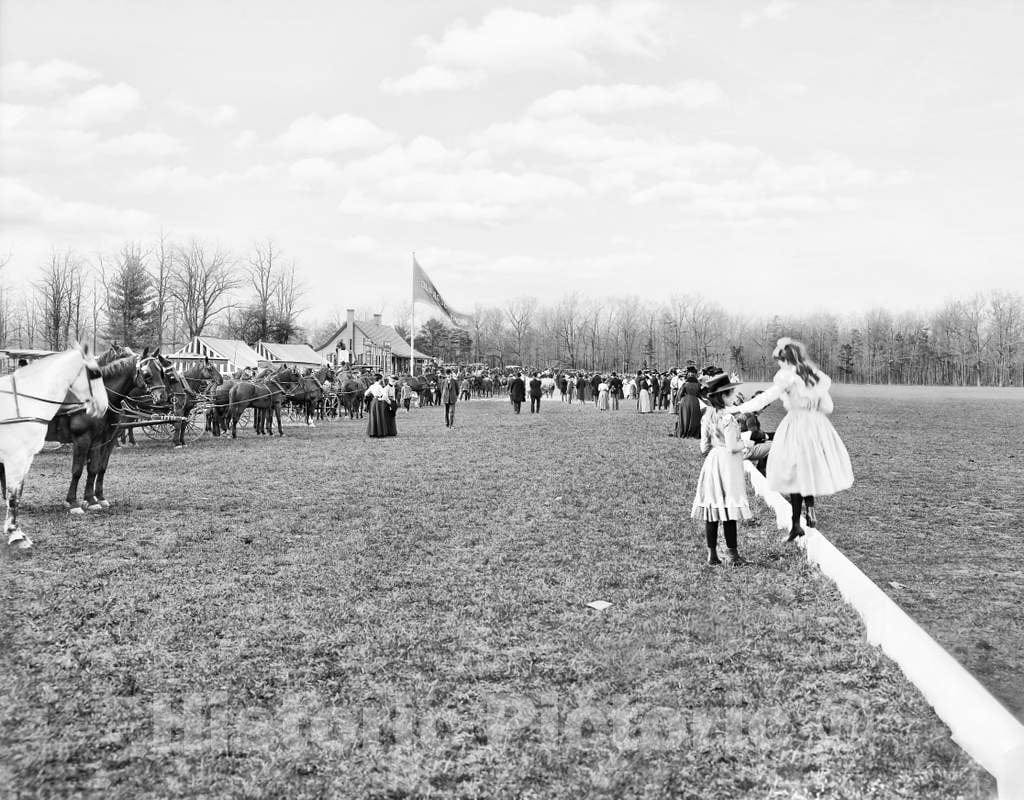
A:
x,y
612,99
314,134
153,144
49,77
432,78
776,10
23,206
476,196
182,180
100,105
244,140
216,117
512,41
357,245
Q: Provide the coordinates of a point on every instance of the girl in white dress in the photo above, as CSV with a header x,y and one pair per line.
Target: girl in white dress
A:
x,y
721,486
808,459
643,402
602,395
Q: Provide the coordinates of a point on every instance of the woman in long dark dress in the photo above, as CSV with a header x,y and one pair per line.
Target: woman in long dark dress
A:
x,y
689,407
382,417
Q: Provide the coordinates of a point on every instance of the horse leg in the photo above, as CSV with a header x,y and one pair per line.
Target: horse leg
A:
x,y
16,467
89,494
101,471
275,410
78,459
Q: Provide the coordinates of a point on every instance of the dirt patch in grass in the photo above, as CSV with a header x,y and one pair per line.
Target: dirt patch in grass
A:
x,y
328,614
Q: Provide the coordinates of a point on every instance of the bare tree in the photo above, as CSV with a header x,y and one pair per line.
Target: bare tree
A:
x,y
202,282
520,313
163,263
567,326
1006,311
58,298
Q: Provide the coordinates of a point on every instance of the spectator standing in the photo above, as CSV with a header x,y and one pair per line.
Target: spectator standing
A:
x,y
535,394
449,396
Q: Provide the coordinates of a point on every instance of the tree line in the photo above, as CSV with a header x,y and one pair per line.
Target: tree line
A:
x,y
974,341
166,292
158,294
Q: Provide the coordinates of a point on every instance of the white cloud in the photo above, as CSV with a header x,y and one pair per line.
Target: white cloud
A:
x,y
23,206
512,40
470,196
432,78
216,117
612,99
100,105
49,77
358,245
774,11
314,134
244,140
152,144
310,172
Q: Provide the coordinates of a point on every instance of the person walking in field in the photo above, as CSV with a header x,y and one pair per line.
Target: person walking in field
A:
x,y
517,392
602,396
808,459
688,404
406,396
721,495
614,391
536,389
449,396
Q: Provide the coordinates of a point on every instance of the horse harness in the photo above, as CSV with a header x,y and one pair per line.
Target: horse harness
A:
x,y
90,374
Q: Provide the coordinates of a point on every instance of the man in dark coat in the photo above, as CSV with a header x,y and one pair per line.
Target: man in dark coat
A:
x,y
517,392
615,391
595,381
581,387
449,396
535,393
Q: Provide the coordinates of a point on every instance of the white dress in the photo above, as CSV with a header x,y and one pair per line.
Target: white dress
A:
x,y
721,486
807,455
602,396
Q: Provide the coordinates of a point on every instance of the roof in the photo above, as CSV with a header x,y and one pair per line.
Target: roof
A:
x,y
379,335
234,350
291,353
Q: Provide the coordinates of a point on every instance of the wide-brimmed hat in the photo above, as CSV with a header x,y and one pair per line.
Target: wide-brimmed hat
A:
x,y
722,382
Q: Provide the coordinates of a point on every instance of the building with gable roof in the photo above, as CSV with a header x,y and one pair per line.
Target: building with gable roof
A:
x,y
228,355
370,344
294,355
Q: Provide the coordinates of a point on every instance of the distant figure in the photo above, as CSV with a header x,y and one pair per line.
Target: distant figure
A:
x,y
449,396
688,406
602,396
643,401
536,390
382,409
517,392
615,391
406,396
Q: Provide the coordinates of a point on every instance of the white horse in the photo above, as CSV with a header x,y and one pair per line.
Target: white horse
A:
x,y
29,399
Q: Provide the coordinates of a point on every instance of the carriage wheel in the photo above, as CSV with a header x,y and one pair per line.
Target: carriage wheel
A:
x,y
161,431
195,425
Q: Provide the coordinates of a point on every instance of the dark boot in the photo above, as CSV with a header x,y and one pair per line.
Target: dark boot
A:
x,y
713,559
733,558
795,533
809,515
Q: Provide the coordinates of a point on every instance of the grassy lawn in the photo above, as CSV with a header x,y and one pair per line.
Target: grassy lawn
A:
x,y
328,614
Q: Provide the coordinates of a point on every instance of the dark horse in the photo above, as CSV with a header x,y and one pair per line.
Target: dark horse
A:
x,y
350,392
307,393
93,437
265,394
184,388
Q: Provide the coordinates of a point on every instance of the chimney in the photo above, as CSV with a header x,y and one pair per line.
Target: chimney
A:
x,y
350,331
376,319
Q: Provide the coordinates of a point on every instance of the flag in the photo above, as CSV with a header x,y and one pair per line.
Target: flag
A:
x,y
423,289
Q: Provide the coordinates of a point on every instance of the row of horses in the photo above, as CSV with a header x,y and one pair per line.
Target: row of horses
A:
x,y
72,398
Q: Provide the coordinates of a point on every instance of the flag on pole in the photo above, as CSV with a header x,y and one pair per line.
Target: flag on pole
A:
x,y
423,289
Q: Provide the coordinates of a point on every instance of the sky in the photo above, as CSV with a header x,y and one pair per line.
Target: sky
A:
x,y
774,156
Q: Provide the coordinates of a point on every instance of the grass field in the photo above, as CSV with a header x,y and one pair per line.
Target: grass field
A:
x,y
331,615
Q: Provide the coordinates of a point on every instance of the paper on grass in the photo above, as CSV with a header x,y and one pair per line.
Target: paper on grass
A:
x,y
599,605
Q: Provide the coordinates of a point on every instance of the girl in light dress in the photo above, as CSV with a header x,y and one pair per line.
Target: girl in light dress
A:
x,y
808,459
721,495
602,395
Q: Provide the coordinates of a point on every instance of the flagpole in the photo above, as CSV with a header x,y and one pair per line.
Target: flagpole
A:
x,y
412,323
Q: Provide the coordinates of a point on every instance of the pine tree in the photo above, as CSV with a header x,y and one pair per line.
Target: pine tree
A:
x,y
129,299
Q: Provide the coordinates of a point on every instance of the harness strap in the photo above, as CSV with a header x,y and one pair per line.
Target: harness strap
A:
x,y
14,391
